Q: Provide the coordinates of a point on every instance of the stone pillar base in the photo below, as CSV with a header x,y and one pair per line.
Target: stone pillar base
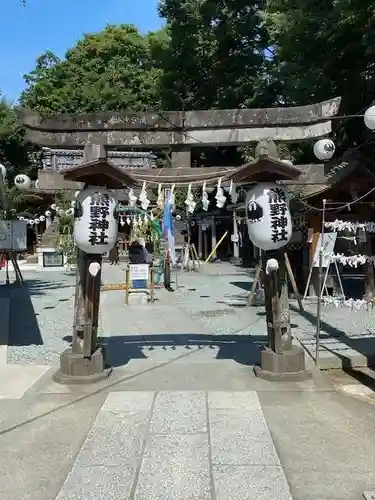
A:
x,y
75,369
286,367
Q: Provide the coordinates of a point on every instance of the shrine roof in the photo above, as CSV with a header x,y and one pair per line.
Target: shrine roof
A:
x,y
99,172
264,169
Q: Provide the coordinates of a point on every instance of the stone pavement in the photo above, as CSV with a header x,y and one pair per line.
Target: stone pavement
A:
x,y
182,416
178,445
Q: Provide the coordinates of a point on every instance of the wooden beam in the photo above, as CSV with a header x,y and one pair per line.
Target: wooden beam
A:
x,y
210,119
203,137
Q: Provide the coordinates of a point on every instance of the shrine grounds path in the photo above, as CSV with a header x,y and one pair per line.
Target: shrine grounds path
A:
x,y
182,416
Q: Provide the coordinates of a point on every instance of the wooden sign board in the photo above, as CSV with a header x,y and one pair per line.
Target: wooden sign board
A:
x,y
13,235
138,276
53,259
329,242
111,287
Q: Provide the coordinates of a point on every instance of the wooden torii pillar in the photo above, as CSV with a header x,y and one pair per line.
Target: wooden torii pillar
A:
x,y
84,362
280,360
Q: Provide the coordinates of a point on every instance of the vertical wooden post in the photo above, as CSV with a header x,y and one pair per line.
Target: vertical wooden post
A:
x,y
200,240
236,250
213,235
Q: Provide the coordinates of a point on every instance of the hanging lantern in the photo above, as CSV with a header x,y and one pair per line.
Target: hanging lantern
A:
x,y
324,149
47,213
22,182
21,218
128,220
36,221
3,172
76,194
73,203
122,222
369,118
268,217
42,218
68,212
53,206
96,223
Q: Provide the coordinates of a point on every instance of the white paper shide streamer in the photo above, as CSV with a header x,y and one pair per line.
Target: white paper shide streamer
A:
x,y
189,201
132,198
220,198
205,200
350,226
143,197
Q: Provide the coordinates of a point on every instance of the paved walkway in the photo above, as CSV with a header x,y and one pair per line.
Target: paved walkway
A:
x,y
182,416
178,445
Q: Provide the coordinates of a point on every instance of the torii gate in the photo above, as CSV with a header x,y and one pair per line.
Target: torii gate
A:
x,y
182,131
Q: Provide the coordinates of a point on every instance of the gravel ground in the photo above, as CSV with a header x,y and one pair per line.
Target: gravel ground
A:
x,y
41,316
335,322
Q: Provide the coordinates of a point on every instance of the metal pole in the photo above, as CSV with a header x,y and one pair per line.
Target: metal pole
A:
x,y
319,302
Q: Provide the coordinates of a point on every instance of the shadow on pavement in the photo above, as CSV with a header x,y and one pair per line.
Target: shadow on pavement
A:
x,y
243,349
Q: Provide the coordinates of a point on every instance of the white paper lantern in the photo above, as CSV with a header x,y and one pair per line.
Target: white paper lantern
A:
x,y
21,218
47,213
53,206
96,227
31,222
73,203
268,217
68,212
36,221
76,194
287,162
3,171
42,218
369,118
324,149
22,182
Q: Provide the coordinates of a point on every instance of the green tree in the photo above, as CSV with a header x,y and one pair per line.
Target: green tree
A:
x,y
215,58
16,154
107,71
322,50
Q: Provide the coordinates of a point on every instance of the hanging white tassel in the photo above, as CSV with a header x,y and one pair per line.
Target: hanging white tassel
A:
x,y
160,200
220,198
233,192
132,198
172,196
205,200
122,222
189,201
128,220
143,197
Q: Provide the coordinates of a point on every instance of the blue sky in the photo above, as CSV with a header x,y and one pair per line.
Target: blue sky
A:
x,y
27,32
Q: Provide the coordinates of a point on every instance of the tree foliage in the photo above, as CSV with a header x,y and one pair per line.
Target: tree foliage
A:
x,y
107,71
323,50
15,153
216,54
215,58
